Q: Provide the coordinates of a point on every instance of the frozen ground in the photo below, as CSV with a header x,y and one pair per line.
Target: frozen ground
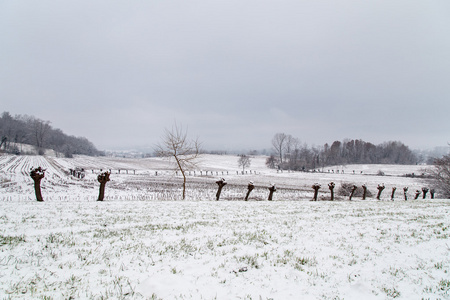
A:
x,y
138,245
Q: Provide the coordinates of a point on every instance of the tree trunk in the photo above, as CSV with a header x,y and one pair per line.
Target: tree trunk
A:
x,y
271,190
353,191
393,192
37,174
405,190
380,189
250,188
37,190
432,193
364,192
101,194
184,185
425,191
417,195
221,183
316,188
103,178
331,186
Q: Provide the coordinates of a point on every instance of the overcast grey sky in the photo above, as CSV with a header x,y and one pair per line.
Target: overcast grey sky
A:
x,y
233,72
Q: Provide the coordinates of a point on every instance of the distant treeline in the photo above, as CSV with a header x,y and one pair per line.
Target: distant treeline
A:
x,y
24,129
290,154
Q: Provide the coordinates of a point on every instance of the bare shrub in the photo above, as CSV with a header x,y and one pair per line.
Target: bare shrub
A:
x,y
346,188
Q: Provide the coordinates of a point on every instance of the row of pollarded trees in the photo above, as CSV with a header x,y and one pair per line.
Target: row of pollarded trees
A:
x,y
37,174
250,187
351,189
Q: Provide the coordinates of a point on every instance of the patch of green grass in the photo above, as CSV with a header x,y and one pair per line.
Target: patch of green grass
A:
x,y
391,292
444,285
11,240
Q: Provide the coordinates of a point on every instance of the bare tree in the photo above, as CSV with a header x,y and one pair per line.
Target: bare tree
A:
x,y
176,145
441,175
271,162
244,161
279,144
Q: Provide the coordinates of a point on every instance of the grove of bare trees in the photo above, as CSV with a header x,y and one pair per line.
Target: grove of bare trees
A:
x,y
23,129
290,154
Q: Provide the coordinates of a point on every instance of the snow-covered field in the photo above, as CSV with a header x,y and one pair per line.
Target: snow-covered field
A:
x,y
138,245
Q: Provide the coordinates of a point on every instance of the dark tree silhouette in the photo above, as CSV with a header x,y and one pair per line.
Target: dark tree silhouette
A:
x,y
405,191
37,174
103,178
432,191
221,183
272,189
250,188
316,188
424,191
380,189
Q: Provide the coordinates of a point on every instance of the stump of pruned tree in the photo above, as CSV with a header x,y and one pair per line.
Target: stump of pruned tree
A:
x,y
331,186
103,178
380,189
250,188
417,195
424,191
432,191
316,188
37,174
272,189
393,193
354,187
364,191
405,191
221,183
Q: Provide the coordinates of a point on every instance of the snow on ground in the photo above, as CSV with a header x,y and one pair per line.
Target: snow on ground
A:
x,y
138,245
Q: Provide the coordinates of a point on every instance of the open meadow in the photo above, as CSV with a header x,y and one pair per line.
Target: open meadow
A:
x,y
144,242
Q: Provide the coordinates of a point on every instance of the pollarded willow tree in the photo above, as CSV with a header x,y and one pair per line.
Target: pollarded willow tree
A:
x,y
185,152
37,174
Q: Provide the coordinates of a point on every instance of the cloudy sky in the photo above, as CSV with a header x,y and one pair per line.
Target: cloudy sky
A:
x,y
233,72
